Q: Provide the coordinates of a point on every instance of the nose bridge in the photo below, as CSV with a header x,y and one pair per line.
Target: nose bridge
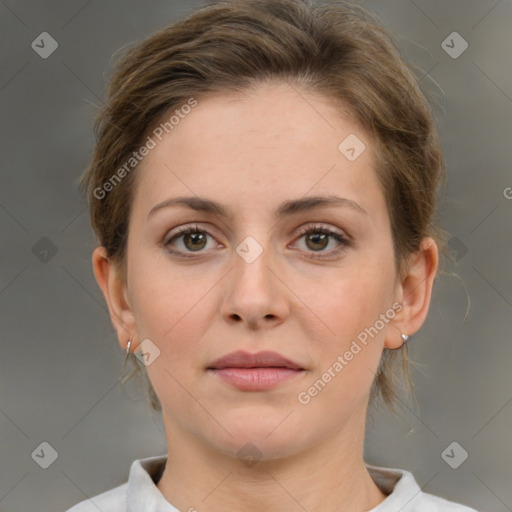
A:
x,y
254,292
252,261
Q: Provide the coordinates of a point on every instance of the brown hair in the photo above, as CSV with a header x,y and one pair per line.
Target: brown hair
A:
x,y
333,48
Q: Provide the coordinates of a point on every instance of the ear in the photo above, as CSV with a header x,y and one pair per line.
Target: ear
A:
x,y
414,293
115,291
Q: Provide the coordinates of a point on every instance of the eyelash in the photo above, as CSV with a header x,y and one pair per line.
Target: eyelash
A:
x,y
345,243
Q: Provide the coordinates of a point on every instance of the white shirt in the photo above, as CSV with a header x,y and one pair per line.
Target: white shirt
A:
x,y
140,493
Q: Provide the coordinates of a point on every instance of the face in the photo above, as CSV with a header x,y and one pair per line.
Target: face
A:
x,y
303,281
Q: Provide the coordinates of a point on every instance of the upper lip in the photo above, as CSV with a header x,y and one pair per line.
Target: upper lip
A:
x,y
265,359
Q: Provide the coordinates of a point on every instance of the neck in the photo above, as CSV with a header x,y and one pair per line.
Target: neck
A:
x,y
327,477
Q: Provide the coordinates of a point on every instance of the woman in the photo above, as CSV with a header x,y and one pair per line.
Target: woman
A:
x,y
263,189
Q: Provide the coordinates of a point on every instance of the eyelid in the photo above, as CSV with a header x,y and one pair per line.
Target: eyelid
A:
x,y
325,227
193,226
340,236
345,241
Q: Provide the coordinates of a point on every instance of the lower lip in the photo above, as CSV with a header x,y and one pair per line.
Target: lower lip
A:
x,y
256,379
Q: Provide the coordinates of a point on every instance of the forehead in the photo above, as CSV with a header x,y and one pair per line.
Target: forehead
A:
x,y
265,145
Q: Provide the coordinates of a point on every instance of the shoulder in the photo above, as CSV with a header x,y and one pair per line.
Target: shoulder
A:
x,y
113,500
430,503
404,493
139,491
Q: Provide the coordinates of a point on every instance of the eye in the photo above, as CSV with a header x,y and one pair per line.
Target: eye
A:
x,y
317,238
193,239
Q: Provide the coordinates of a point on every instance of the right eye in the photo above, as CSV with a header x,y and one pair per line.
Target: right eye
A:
x,y
192,238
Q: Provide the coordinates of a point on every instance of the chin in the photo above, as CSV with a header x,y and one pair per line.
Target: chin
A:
x,y
259,437
250,450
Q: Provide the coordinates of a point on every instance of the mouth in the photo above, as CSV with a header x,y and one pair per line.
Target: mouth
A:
x,y
256,379
265,359
255,372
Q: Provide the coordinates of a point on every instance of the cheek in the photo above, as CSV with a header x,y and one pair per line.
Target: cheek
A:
x,y
165,315
361,293
164,301
353,311
175,323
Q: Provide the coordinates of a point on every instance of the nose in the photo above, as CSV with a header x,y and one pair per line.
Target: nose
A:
x,y
255,294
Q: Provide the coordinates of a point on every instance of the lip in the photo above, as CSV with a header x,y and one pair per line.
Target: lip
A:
x,y
255,372
265,359
256,379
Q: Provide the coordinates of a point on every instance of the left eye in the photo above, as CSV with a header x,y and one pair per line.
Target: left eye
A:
x,y
317,239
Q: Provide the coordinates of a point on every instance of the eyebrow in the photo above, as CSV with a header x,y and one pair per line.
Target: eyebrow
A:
x,y
286,208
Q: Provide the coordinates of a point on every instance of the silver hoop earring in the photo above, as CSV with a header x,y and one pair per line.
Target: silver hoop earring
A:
x,y
405,337
126,377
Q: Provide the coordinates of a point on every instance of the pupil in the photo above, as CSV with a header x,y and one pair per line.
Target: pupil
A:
x,y
315,237
195,237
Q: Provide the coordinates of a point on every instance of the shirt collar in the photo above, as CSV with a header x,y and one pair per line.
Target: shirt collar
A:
x,y
142,493
398,484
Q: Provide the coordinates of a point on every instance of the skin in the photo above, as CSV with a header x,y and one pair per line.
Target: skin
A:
x,y
251,152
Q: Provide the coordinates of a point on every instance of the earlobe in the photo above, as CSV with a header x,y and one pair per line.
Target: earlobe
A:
x,y
416,292
115,293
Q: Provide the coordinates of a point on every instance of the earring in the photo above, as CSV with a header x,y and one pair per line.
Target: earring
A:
x,y
127,352
405,338
126,377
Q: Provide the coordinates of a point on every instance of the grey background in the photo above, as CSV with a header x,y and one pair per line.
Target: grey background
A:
x,y
60,360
